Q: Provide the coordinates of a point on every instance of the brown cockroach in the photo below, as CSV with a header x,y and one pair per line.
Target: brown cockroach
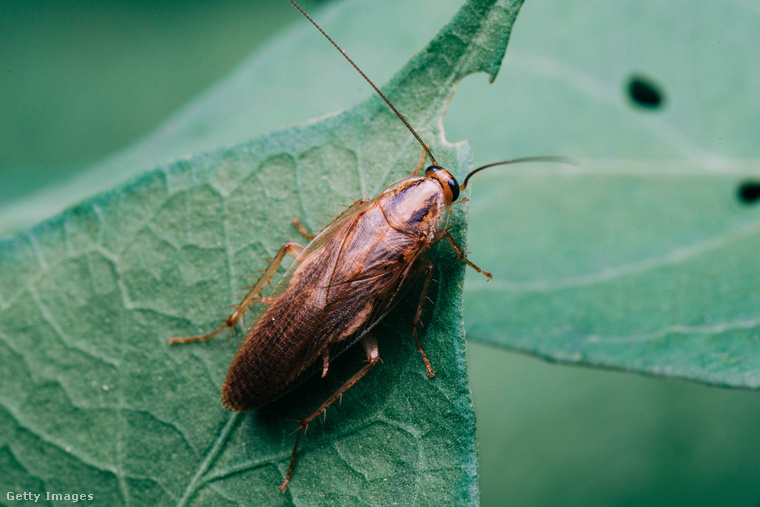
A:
x,y
341,285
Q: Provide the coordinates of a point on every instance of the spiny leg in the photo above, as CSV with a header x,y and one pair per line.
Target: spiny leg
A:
x,y
461,255
418,316
369,343
290,247
302,230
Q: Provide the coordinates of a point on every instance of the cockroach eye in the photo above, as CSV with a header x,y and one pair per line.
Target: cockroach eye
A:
x,y
454,187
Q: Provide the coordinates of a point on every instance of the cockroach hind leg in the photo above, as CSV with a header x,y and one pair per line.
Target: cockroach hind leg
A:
x,y
428,366
461,255
284,485
369,343
290,247
418,316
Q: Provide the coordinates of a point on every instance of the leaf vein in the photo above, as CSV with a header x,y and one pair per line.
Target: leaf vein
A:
x,y
605,275
223,437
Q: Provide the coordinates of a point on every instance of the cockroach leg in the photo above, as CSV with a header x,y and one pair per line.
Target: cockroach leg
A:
x,y
325,362
421,162
461,255
290,247
284,485
302,230
369,343
418,316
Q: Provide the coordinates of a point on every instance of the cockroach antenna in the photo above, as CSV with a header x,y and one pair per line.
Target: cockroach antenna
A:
x,y
561,160
393,108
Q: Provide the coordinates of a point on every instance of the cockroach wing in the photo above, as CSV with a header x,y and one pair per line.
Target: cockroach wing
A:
x,y
340,286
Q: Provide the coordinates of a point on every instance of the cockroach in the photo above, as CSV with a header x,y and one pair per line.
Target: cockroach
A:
x,y
341,285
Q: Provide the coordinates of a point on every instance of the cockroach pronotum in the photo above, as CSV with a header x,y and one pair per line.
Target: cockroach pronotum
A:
x,y
341,285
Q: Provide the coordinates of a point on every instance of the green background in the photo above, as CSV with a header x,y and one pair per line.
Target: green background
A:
x,y
81,81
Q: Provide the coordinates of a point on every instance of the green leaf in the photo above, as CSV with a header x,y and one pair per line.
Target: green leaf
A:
x,y
665,283
89,298
553,435
643,257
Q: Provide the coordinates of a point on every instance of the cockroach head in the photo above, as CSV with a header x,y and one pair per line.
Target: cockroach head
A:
x,y
446,180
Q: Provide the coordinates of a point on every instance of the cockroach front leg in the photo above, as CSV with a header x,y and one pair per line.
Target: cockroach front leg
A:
x,y
428,269
421,162
290,247
461,255
369,343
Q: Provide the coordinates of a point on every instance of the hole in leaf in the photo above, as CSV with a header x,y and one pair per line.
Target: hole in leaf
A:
x,y
749,192
645,93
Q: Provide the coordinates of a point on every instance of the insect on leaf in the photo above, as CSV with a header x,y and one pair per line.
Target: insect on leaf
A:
x,y
89,298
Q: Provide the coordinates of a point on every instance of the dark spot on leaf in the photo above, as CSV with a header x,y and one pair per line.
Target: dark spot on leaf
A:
x,y
645,93
749,192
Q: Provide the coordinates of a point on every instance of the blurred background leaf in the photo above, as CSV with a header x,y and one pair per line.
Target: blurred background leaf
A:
x,y
548,434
